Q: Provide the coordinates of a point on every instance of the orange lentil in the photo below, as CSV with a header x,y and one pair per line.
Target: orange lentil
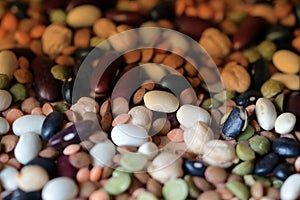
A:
x,y
37,110
37,31
191,11
22,37
47,109
176,135
71,149
9,21
3,32
83,175
23,62
98,195
96,173
13,114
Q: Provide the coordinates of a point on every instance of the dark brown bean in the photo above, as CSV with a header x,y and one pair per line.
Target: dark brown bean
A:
x,y
124,17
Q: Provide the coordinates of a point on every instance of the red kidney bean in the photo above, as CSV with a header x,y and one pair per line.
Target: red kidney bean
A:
x,y
249,30
292,105
102,4
104,76
191,26
73,134
124,17
64,167
46,86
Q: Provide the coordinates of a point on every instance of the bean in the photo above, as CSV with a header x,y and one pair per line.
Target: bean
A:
x,y
291,105
6,100
7,177
260,144
8,143
285,123
243,168
289,190
117,184
260,73
265,113
65,168
283,171
46,86
128,17
290,81
271,88
238,189
176,188
61,186
47,163
266,164
4,81
161,101
247,33
215,174
290,67
194,168
4,126
244,151
286,147
76,17
51,125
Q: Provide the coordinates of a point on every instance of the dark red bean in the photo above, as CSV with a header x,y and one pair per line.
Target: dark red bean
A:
x,y
23,52
46,86
104,76
73,134
292,105
249,30
191,26
64,167
102,4
124,17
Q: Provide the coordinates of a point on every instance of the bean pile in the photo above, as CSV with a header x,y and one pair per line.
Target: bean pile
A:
x,y
175,135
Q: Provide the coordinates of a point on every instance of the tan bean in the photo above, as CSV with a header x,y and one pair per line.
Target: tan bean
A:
x,y
80,159
173,61
8,142
104,27
82,38
65,60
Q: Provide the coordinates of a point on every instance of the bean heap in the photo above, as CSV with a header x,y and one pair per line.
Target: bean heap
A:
x,y
173,136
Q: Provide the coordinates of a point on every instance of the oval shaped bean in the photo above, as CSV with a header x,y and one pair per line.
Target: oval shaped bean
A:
x,y
266,113
28,123
52,124
285,123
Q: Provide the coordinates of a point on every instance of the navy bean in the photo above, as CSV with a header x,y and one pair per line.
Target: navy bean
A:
x,y
247,98
266,164
286,147
73,134
21,195
194,168
52,124
291,104
47,163
191,26
248,31
236,122
163,10
65,168
260,73
124,17
283,171
46,86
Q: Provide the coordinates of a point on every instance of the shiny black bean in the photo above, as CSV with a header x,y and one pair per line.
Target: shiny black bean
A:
x,y
52,124
73,134
64,167
67,89
266,164
247,98
175,83
283,171
236,121
47,163
286,147
21,195
260,73
194,168
46,86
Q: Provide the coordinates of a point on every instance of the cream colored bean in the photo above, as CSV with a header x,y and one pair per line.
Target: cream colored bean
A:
x,y
161,101
6,100
83,16
8,63
286,61
290,81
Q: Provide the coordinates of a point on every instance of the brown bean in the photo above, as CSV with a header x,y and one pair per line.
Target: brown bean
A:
x,y
138,96
174,61
124,17
49,152
80,159
154,187
132,56
29,104
23,76
216,174
257,190
202,184
8,142
82,38
104,27
147,54
210,194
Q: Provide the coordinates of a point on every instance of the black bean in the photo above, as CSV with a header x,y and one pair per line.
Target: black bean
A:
x,y
260,73
279,34
67,89
283,171
266,164
194,168
236,122
19,9
52,124
286,147
174,83
21,195
47,163
247,98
